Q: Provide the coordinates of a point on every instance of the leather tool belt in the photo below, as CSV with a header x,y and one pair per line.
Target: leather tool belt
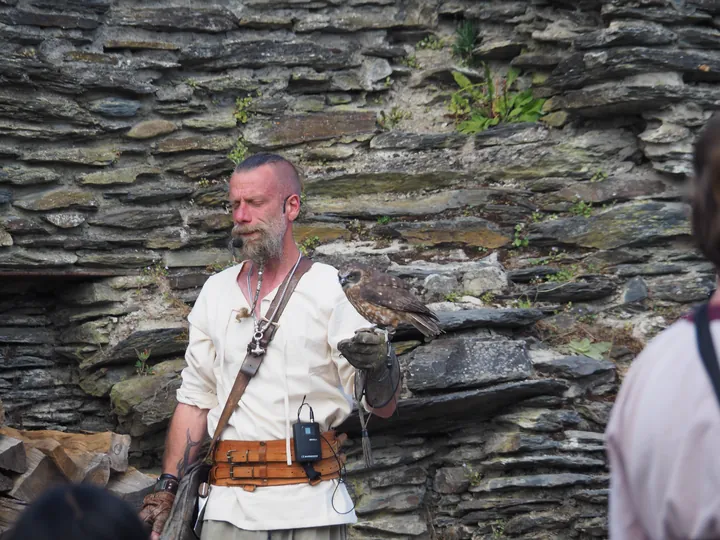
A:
x,y
249,464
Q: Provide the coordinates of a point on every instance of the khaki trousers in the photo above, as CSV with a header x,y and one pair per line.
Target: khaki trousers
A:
x,y
221,530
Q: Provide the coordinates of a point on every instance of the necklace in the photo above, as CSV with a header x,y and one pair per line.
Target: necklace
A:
x,y
259,326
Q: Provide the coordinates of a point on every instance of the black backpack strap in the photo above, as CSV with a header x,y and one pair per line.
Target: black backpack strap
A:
x,y
707,350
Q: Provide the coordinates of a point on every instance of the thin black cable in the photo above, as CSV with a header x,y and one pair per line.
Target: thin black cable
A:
x,y
341,480
303,404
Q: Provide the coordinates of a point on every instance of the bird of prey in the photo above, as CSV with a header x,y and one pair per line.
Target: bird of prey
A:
x,y
386,300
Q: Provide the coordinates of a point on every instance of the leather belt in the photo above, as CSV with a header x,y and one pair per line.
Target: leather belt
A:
x,y
249,464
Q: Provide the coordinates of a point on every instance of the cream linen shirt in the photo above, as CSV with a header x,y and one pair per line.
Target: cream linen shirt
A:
x,y
301,360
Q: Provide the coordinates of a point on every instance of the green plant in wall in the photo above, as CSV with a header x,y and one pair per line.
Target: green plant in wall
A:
x,y
465,39
589,348
477,107
581,208
520,239
430,42
239,152
141,367
384,220
411,61
308,245
389,120
241,113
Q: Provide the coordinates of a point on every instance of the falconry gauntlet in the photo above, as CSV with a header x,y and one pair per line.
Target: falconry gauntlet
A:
x,y
378,373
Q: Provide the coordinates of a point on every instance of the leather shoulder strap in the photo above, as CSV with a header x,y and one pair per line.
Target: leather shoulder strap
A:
x,y
252,361
707,350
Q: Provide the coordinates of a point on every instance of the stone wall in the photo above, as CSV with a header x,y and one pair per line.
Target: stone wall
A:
x,y
553,250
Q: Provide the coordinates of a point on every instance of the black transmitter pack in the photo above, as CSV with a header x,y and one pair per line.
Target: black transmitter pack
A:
x,y
306,436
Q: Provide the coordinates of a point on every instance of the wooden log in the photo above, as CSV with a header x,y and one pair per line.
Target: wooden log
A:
x,y
10,510
131,486
113,445
76,467
41,474
12,455
6,483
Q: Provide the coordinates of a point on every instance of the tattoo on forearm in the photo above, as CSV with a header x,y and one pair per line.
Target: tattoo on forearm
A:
x,y
184,463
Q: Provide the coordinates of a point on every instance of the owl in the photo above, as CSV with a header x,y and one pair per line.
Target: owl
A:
x,y
385,300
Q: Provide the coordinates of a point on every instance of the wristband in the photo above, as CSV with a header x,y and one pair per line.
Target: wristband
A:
x,y
167,482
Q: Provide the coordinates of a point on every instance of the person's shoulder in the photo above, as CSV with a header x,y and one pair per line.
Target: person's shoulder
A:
x,y
324,281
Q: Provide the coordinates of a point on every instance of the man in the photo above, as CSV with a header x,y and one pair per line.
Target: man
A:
x,y
313,357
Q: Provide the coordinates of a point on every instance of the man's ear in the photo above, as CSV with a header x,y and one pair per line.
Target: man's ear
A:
x,y
292,207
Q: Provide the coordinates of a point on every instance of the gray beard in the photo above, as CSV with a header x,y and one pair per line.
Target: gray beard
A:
x,y
268,247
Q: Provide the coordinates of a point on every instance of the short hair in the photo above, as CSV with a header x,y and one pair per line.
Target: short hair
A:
x,y
258,160
72,511
705,192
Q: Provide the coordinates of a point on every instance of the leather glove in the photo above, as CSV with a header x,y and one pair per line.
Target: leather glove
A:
x,y
156,509
367,349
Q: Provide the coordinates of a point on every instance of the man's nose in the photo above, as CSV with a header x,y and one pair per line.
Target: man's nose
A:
x,y
241,214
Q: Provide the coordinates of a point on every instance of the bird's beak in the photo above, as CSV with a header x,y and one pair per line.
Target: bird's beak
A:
x,y
343,279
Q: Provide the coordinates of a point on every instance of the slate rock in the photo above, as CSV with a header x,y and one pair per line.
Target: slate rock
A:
x,y
438,287
45,20
151,195
161,342
392,499
539,481
545,420
404,475
296,129
151,128
626,33
451,480
185,144
145,403
22,258
66,220
137,218
650,269
115,107
98,157
204,166
433,412
58,198
408,524
6,196
535,521
543,461
616,189
635,290
417,141
594,526
575,367
570,291
466,363
662,13
623,225
482,279
525,275
480,318
683,289
6,239
116,259
389,457
593,496
25,335
264,53
497,49
698,37
125,175
212,122
467,231
175,18
24,176
536,60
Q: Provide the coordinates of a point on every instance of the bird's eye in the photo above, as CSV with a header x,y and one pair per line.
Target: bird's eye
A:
x,y
355,276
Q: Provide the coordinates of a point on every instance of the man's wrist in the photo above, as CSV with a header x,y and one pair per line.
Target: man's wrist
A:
x,y
168,483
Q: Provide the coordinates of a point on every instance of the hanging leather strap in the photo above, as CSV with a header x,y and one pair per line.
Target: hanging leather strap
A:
x,y
707,350
252,362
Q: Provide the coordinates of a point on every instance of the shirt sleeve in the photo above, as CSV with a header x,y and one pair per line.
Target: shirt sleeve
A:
x,y
344,321
199,386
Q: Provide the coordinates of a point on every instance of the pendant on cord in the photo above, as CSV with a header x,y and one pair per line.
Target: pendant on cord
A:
x,y
258,350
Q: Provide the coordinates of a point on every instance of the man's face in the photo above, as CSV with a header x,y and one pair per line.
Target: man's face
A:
x,y
257,205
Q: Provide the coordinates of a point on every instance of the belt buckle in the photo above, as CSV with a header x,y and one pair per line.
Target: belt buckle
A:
x,y
232,471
